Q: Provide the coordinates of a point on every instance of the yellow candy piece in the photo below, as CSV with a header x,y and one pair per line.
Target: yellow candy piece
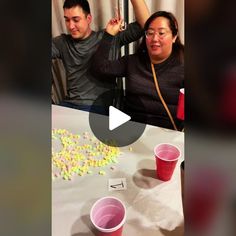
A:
x,y
101,172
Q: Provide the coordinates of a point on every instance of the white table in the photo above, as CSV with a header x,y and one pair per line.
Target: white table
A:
x,y
153,207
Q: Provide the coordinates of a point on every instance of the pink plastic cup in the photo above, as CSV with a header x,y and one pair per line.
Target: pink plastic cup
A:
x,y
166,156
180,107
108,216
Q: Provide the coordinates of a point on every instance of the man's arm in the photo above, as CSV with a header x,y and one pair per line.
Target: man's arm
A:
x,y
141,11
101,65
55,53
134,31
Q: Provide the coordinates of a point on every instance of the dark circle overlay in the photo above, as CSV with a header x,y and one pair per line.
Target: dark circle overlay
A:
x,y
121,136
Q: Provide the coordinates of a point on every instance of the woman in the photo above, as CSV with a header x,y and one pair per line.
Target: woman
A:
x,y
160,56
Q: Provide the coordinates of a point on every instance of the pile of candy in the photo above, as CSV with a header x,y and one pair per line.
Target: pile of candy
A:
x,y
79,154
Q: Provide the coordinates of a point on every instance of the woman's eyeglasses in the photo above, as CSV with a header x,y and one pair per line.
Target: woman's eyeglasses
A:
x,y
151,33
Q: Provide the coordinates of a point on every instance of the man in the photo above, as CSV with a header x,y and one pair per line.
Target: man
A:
x,y
77,48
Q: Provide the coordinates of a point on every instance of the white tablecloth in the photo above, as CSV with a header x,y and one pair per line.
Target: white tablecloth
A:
x,y
153,207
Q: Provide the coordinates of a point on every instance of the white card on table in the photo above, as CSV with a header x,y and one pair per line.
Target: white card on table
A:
x,y
117,184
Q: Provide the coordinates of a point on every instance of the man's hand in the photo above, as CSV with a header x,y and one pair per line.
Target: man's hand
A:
x,y
113,26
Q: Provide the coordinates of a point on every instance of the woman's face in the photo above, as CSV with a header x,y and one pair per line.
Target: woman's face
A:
x,y
159,40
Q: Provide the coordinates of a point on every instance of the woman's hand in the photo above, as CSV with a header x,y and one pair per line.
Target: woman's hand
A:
x,y
114,26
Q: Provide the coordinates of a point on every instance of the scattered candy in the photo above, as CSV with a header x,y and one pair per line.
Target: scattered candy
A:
x,y
79,154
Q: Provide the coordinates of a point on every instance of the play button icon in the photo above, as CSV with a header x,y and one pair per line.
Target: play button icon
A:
x,y
116,128
117,118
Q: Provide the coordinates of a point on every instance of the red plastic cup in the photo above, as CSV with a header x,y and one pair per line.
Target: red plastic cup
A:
x,y
166,156
108,216
180,107
206,194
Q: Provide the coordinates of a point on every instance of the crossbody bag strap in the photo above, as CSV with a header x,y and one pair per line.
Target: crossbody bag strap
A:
x,y
160,96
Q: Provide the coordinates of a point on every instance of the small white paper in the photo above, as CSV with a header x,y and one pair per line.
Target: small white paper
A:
x,y
117,184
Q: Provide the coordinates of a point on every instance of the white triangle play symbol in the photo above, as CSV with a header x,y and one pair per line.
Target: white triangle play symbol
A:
x,y
116,118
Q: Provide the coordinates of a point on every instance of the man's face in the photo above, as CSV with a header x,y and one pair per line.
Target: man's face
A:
x,y
77,23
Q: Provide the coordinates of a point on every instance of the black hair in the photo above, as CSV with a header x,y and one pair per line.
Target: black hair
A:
x,y
178,47
81,3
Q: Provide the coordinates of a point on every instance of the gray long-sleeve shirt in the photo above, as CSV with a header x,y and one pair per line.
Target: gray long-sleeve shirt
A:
x,y
82,86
